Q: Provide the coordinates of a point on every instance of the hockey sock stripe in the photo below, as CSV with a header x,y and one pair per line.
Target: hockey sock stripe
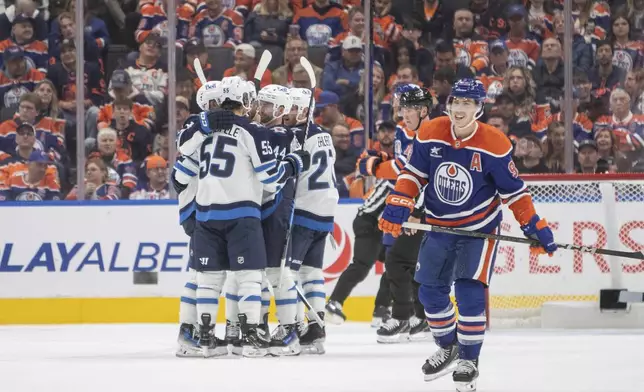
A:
x,y
189,301
191,286
250,298
315,294
444,314
214,301
313,282
282,302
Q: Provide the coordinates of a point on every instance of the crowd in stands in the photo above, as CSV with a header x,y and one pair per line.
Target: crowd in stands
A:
x,y
514,47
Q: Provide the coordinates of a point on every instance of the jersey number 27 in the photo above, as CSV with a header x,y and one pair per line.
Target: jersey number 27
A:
x,y
320,160
218,162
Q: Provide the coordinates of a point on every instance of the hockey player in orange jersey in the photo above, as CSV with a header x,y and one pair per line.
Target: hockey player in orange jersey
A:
x,y
472,173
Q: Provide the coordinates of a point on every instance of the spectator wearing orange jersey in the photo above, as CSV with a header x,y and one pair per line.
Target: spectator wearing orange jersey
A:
x,y
49,134
492,75
17,77
471,49
245,65
154,20
268,24
195,49
523,48
121,169
356,28
25,141
217,26
26,8
132,137
294,50
384,24
591,19
35,181
581,125
22,35
157,186
540,18
330,115
121,88
321,21
96,183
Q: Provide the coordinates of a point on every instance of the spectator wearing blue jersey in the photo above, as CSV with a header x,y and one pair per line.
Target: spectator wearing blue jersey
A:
x,y
343,76
67,30
26,8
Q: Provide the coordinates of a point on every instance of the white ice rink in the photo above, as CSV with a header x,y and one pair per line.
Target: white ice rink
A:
x,y
140,358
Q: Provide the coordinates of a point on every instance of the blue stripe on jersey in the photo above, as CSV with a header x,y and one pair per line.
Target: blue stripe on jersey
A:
x,y
266,166
277,176
312,221
242,209
184,169
269,208
186,212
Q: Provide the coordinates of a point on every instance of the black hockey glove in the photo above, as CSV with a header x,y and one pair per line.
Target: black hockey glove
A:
x,y
216,120
301,161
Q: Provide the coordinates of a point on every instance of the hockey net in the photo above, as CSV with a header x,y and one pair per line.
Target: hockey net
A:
x,y
605,211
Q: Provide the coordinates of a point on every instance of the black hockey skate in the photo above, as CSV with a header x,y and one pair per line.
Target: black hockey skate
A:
x,y
312,337
380,316
233,337
264,325
211,346
419,330
188,342
465,375
255,341
334,313
442,362
393,331
285,341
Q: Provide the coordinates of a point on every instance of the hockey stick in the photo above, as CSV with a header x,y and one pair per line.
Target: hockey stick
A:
x,y
311,312
262,66
199,71
520,240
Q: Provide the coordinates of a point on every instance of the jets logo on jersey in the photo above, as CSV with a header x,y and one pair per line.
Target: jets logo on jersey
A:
x,y
452,183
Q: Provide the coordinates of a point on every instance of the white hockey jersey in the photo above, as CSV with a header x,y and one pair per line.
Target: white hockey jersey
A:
x,y
185,172
316,195
235,165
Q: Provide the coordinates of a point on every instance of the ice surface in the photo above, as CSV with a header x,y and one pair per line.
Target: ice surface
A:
x,y
140,358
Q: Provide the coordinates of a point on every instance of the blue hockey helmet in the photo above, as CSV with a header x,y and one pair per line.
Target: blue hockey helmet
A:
x,y
469,88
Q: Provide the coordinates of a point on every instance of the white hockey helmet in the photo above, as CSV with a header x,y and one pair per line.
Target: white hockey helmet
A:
x,y
233,89
206,93
301,98
278,96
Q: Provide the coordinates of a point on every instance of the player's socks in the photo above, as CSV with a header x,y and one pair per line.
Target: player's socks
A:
x,y
393,331
465,375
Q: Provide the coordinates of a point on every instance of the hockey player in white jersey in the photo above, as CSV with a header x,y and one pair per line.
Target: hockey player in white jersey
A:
x,y
234,167
184,181
315,202
273,103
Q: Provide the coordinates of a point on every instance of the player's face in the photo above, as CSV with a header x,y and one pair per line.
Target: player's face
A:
x,y
67,28
122,113
411,116
27,111
93,174
25,138
266,114
290,118
462,111
45,92
23,31
107,144
37,170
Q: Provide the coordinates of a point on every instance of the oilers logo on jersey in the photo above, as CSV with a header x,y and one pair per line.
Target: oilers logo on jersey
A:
x,y
518,58
318,34
452,183
213,35
622,59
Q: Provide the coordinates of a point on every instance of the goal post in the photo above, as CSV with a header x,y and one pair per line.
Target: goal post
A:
x,y
599,210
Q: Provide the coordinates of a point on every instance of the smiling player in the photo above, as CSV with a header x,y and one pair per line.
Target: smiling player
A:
x,y
468,169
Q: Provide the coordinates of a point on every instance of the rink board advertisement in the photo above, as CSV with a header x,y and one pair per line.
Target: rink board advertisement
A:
x,y
77,263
